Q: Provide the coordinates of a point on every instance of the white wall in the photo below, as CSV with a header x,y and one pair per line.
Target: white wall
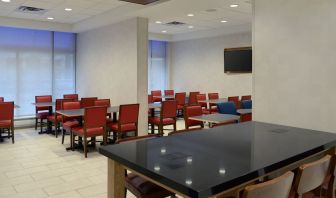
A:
x,y
109,63
198,65
295,63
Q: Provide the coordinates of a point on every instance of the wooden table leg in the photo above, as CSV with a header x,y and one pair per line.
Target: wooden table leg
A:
x,y
115,180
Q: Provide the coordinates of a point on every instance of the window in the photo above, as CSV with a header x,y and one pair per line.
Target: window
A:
x,y
157,65
35,62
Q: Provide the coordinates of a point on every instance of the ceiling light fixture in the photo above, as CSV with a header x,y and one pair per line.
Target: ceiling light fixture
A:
x,y
164,31
6,1
68,9
50,18
191,15
234,5
223,21
158,22
190,27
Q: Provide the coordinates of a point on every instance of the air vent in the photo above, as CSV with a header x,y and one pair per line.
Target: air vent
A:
x,y
31,10
175,23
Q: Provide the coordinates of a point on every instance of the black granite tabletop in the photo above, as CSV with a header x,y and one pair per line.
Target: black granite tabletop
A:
x,y
204,163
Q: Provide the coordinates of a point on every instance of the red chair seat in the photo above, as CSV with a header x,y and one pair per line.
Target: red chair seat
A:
x,y
165,121
42,115
52,118
143,188
70,124
124,127
194,122
5,123
89,132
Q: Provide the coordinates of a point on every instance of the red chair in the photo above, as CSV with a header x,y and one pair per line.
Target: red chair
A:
x,y
104,103
56,118
169,92
42,113
68,123
235,100
191,111
128,120
167,116
246,117
204,105
247,97
88,102
139,186
192,98
94,125
2,99
156,93
213,106
150,99
180,99
74,97
7,118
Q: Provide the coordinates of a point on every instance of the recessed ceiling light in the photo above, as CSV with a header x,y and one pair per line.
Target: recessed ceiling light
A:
x,y
234,5
190,27
164,31
50,18
191,15
68,9
6,1
223,21
158,22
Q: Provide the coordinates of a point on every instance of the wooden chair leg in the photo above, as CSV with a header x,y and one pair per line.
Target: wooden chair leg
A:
x,y
36,120
85,147
41,125
56,129
63,134
12,129
175,126
72,140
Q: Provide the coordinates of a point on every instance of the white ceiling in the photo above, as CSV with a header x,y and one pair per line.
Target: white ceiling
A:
x,y
88,14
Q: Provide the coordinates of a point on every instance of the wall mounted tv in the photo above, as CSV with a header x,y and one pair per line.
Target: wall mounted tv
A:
x,y
238,60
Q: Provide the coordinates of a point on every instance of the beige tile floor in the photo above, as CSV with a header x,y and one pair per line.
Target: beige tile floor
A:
x,y
38,166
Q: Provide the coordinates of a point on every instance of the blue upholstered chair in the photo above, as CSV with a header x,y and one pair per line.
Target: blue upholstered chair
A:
x,y
246,104
227,108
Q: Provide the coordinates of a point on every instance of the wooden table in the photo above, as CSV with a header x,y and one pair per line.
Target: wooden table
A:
x,y
217,162
216,118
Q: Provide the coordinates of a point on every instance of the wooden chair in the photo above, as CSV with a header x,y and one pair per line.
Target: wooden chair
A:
x,y
56,118
310,177
74,97
156,93
167,116
68,123
204,105
180,99
235,100
192,98
88,102
42,113
128,120
213,106
94,125
140,187
190,111
276,188
104,103
7,118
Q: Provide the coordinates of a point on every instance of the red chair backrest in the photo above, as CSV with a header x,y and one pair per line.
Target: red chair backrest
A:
x,y
235,100
191,111
129,113
201,97
2,99
169,92
95,117
66,105
156,93
192,98
180,98
71,96
247,97
103,102
88,102
7,111
59,103
150,99
213,96
168,109
38,99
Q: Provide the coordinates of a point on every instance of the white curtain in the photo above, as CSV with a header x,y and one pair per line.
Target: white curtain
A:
x,y
157,65
35,62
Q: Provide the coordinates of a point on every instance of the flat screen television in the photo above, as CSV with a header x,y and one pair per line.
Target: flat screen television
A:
x,y
238,60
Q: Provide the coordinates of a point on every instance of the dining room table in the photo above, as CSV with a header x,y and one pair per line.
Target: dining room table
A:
x,y
216,162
